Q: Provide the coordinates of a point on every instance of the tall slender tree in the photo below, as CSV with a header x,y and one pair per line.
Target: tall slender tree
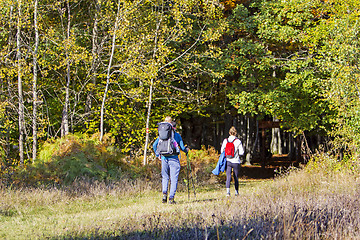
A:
x,y
20,88
108,73
95,56
66,109
34,89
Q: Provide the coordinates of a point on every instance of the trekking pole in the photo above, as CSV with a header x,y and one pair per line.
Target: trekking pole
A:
x,y
187,180
189,169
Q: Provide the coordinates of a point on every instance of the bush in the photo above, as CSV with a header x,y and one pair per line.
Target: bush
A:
x,y
63,160
203,161
328,164
78,156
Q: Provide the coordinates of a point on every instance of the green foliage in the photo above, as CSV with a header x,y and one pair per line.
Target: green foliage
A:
x,y
79,157
277,73
294,60
75,156
326,164
3,131
340,60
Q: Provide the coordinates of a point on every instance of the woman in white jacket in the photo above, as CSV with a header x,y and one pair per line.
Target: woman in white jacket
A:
x,y
232,162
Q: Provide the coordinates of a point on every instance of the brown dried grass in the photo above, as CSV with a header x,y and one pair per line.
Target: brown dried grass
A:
x,y
317,202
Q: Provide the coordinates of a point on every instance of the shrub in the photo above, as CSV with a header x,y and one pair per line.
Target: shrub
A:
x,y
74,156
202,162
329,164
78,156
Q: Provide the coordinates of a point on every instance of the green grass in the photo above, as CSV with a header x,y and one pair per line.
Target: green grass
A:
x,y
305,204
56,213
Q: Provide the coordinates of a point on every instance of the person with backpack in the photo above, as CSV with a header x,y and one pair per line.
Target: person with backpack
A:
x,y
233,149
167,148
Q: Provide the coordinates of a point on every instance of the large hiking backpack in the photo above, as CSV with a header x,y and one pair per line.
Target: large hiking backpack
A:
x,y
167,145
230,149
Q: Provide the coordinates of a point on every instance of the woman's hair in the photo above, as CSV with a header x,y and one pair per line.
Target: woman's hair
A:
x,y
232,131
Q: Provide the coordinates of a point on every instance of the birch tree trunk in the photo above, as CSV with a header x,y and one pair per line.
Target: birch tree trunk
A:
x,y
65,115
34,90
108,75
94,50
151,92
20,90
94,54
148,121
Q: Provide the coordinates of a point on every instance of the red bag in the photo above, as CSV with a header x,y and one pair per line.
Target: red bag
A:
x,y
230,149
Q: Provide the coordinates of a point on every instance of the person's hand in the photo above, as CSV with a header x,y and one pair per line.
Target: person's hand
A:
x,y
187,149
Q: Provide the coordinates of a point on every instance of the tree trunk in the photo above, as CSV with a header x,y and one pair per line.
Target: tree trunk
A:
x,y
249,150
20,90
275,146
35,97
94,54
151,93
102,110
8,89
148,121
65,115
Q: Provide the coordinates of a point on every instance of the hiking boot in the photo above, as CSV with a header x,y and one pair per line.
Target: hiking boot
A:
x,y
236,193
164,198
228,194
172,201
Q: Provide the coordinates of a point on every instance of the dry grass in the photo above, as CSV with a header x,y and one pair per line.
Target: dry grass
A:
x,y
306,204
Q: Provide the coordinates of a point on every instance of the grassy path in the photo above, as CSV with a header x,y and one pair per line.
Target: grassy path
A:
x,y
45,214
301,205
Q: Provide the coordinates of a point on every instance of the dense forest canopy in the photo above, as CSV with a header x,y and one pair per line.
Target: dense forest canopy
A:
x,y
117,67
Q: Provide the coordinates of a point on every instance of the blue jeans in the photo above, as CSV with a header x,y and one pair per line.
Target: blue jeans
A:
x,y
170,169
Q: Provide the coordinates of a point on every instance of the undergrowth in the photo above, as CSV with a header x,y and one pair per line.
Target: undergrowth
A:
x,y
78,156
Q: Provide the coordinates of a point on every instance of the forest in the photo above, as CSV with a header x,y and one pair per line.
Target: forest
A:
x,y
95,77
83,84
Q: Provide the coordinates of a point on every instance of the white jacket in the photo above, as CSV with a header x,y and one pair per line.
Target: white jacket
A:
x,y
239,150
